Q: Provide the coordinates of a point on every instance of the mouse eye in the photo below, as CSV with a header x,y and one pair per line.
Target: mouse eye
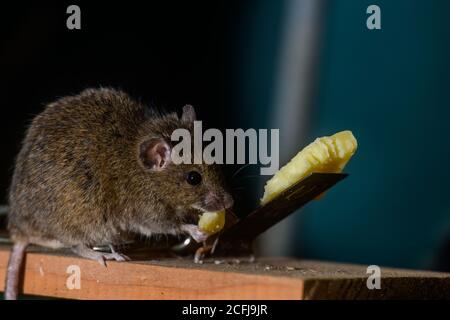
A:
x,y
194,178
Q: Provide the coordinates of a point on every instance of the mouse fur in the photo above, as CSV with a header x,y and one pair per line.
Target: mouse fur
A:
x,y
95,168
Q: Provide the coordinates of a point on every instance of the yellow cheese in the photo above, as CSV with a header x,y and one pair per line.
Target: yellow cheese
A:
x,y
212,222
325,155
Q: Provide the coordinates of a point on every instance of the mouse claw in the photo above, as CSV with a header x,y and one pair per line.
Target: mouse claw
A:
x,y
127,258
112,256
116,256
102,261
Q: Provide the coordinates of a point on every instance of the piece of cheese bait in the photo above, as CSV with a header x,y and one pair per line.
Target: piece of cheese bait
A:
x,y
325,155
212,222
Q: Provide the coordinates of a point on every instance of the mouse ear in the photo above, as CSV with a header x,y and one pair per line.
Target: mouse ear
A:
x,y
155,154
188,114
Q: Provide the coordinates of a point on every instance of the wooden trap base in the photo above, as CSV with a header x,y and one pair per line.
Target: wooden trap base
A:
x,y
47,274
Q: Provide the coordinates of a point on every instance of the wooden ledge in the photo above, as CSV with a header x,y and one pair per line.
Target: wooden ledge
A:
x,y
46,274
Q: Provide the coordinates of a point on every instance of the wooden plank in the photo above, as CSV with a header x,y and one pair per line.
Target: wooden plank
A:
x,y
175,278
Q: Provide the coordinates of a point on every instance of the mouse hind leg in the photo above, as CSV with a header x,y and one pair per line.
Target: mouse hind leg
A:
x,y
14,270
86,252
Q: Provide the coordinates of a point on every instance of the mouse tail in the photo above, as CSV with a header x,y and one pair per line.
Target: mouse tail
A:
x,y
15,266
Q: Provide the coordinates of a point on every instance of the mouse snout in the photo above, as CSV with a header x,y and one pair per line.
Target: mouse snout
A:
x,y
227,201
215,201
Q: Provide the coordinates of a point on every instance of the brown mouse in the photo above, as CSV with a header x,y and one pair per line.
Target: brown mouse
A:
x,y
95,168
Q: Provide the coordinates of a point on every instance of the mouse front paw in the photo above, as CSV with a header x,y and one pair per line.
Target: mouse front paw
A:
x,y
194,232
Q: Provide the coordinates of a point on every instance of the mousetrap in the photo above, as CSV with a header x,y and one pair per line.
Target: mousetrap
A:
x,y
236,239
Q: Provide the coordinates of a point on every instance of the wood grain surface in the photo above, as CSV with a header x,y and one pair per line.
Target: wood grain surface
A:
x,y
179,278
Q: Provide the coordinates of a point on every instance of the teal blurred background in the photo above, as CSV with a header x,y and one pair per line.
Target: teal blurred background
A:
x,y
391,87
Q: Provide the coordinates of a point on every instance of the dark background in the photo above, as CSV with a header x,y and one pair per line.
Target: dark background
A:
x,y
391,87
165,57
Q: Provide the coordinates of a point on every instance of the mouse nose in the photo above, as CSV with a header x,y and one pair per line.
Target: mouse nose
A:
x,y
228,201
218,201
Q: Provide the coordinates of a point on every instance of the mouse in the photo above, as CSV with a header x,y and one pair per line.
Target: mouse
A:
x,y
94,169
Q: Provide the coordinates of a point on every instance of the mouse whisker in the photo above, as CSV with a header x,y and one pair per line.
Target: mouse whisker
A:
x,y
239,170
250,176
